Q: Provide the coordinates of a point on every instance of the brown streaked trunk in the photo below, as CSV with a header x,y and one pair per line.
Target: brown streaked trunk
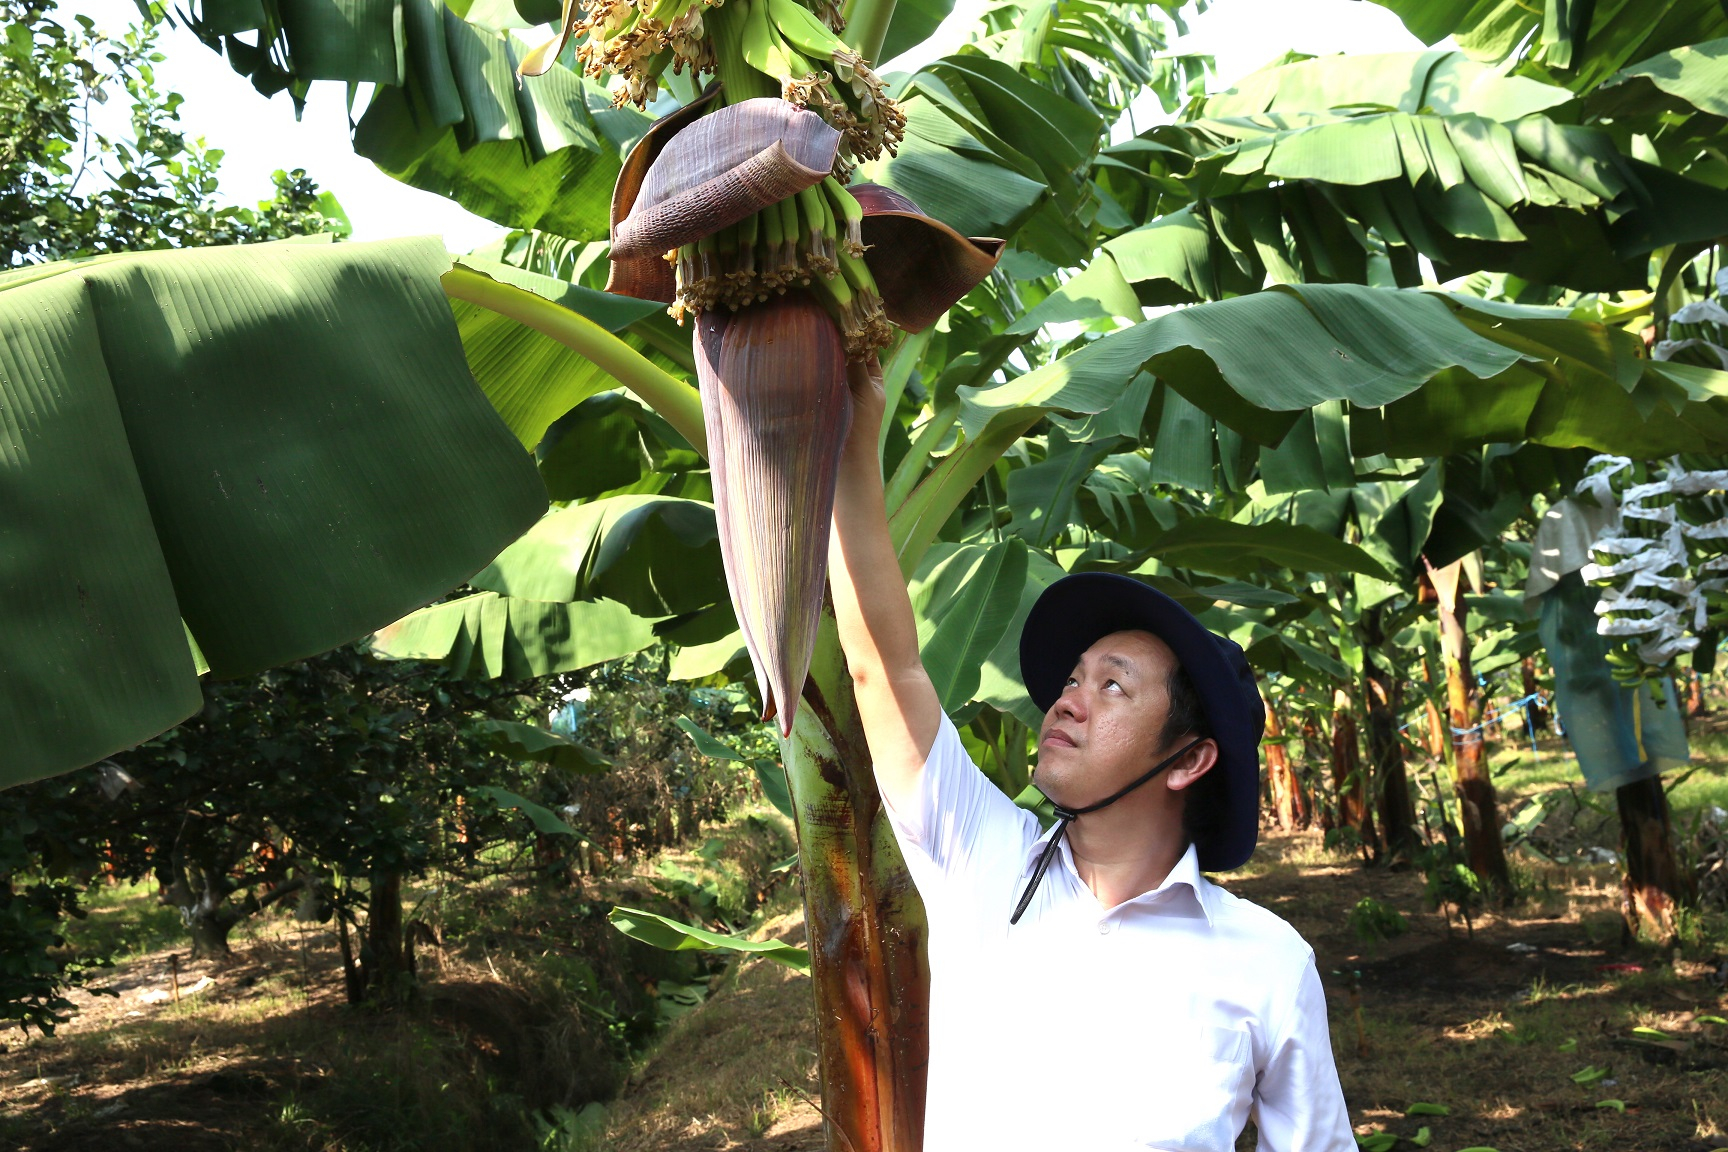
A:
x,y
1385,751
1653,880
209,930
1436,726
865,922
1483,850
1695,694
1316,750
1289,807
550,863
1348,783
1436,730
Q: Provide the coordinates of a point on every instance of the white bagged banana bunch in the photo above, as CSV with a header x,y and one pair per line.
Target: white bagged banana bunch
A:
x,y
1698,332
1662,562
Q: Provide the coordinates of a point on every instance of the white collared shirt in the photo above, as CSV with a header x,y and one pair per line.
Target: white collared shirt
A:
x,y
1164,1022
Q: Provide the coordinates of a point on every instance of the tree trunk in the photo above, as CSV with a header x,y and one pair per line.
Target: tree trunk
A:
x,y
1436,730
1695,694
1289,807
353,975
1315,750
865,923
200,891
1385,750
1436,726
1654,880
1348,784
209,926
1483,849
384,958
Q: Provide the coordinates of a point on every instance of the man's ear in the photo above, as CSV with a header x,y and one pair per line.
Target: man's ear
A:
x,y
1194,764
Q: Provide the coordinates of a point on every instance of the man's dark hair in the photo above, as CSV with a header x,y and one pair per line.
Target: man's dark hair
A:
x,y
1186,719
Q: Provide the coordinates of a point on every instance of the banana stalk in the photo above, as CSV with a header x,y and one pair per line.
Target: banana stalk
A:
x,y
866,924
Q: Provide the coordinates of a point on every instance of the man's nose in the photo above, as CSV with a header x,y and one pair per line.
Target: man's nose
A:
x,y
1071,704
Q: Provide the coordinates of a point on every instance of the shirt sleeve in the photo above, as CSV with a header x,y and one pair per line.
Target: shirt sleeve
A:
x,y
1298,1103
958,829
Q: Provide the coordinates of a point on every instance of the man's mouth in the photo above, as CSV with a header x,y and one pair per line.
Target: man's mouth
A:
x,y
1059,738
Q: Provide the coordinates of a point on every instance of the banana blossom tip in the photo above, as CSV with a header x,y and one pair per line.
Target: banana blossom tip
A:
x,y
777,405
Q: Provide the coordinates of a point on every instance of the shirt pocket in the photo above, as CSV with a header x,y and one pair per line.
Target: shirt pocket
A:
x,y
1200,1082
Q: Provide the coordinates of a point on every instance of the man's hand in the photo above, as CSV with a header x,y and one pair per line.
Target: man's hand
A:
x,y
869,399
896,702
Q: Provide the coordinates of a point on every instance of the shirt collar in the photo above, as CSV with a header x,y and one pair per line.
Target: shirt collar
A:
x,y
1186,872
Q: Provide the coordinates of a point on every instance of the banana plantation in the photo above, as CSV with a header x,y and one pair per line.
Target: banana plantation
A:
x,y
455,629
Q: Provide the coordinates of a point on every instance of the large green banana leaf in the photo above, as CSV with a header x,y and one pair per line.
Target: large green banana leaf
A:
x,y
1225,548
1425,373
1444,83
1292,196
449,114
657,555
590,582
1670,108
912,23
1394,517
279,444
611,444
490,636
533,379
1578,44
1695,73
991,152
965,597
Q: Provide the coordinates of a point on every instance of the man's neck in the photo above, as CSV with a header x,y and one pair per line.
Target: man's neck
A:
x,y
1120,853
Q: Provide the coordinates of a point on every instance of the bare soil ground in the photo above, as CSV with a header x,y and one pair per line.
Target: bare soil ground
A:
x,y
1523,1031
142,1070
1493,1033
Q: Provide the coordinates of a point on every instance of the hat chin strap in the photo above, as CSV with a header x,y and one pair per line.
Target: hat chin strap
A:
x,y
1066,816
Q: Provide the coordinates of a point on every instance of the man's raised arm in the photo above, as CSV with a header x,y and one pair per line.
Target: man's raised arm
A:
x,y
896,701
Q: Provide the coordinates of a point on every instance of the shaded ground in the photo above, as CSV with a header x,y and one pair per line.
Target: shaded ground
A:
x,y
1491,1033
1526,1047
529,1004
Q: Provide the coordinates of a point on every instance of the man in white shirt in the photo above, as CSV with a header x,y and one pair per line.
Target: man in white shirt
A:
x,y
1090,989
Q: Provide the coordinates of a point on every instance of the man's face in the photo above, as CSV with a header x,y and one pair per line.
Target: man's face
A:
x,y
1105,728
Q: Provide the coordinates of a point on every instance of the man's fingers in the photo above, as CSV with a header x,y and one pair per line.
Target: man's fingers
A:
x,y
865,376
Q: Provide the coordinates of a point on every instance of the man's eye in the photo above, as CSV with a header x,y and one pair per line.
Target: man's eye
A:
x,y
1070,682
1112,684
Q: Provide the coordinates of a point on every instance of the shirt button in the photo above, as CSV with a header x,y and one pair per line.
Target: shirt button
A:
x,y
1103,927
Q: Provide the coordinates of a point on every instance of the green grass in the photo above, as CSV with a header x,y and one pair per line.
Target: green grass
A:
x,y
125,921
1707,787
1517,775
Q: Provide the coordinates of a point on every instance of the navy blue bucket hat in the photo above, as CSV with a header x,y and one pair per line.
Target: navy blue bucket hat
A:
x,y
1077,611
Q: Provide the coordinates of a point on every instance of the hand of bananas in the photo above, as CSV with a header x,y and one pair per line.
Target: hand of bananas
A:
x,y
741,43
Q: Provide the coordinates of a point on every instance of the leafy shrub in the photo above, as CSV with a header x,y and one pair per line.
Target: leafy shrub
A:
x,y
1374,922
